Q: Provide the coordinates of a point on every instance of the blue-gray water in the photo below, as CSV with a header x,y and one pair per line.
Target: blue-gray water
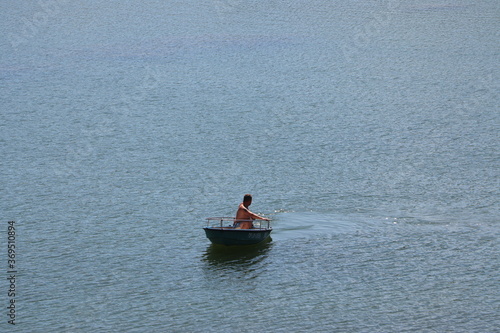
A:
x,y
367,130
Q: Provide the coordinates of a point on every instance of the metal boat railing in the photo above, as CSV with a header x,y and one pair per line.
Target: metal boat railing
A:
x,y
221,222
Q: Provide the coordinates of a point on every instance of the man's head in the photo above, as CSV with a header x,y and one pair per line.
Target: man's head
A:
x,y
247,200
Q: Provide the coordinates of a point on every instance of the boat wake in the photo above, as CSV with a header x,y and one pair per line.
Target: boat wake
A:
x,y
291,225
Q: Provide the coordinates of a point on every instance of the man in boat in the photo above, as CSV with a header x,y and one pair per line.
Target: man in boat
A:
x,y
244,216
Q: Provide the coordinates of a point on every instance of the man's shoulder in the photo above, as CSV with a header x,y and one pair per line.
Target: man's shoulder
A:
x,y
243,208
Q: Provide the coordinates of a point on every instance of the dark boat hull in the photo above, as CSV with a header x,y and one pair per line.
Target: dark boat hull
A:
x,y
232,236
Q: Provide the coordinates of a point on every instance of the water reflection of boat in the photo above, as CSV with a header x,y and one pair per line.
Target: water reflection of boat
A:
x,y
237,256
220,234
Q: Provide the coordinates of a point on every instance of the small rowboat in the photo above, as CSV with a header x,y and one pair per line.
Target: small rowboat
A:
x,y
219,233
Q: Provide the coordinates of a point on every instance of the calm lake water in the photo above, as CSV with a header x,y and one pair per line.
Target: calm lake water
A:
x,y
367,130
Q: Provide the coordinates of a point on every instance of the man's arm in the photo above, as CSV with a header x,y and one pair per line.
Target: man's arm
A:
x,y
255,216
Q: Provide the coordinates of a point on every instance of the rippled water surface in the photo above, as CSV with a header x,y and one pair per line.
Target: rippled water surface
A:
x,y
368,132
